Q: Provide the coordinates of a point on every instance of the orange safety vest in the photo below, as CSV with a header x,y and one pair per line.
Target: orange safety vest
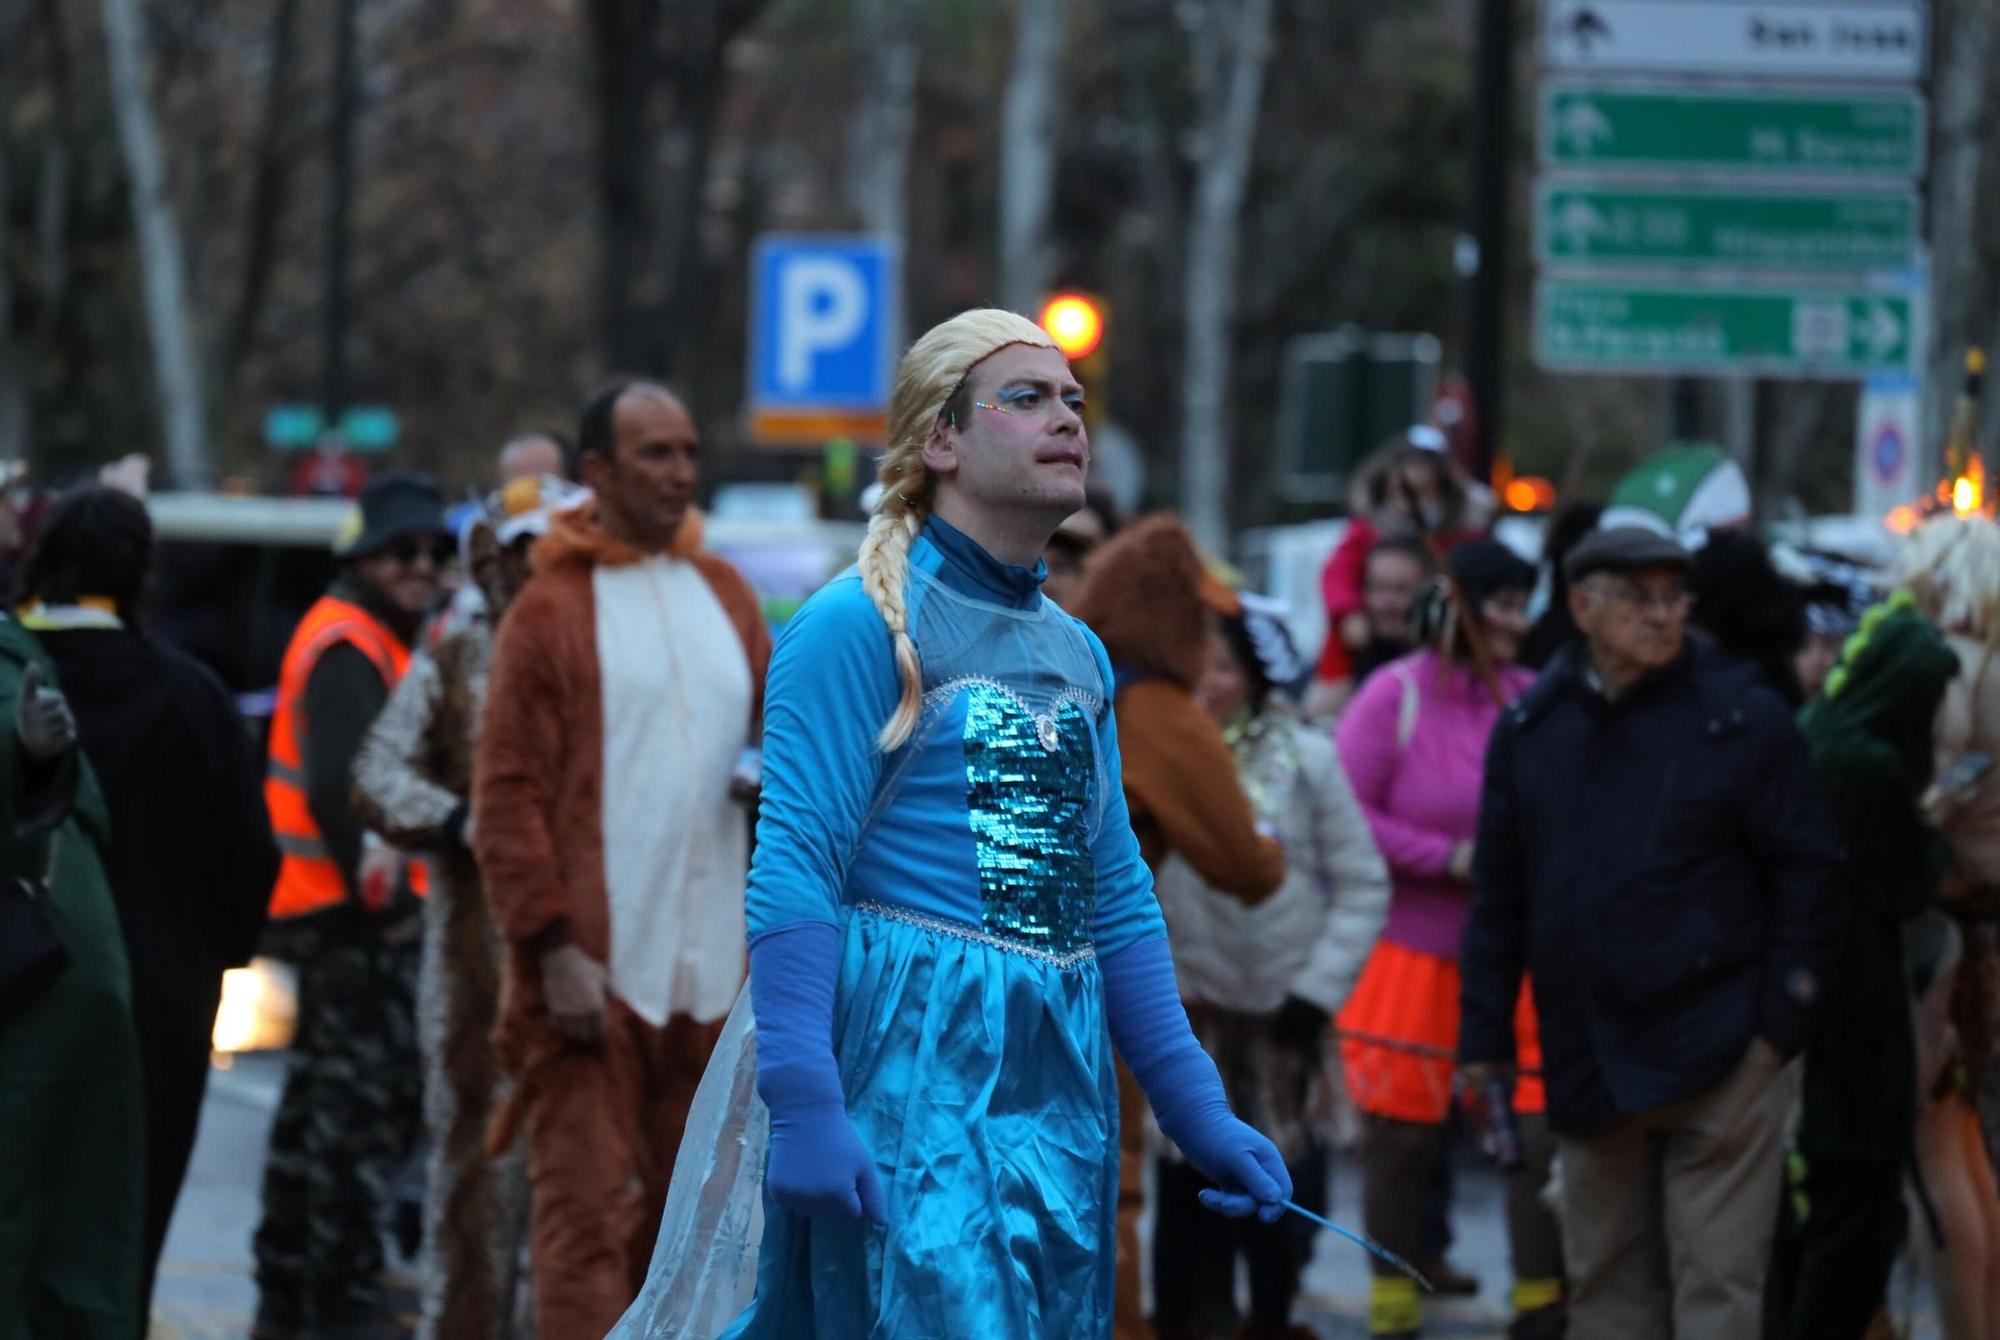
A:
x,y
309,879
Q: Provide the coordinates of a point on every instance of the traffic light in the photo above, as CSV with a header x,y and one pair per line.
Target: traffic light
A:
x,y
1076,322
1522,493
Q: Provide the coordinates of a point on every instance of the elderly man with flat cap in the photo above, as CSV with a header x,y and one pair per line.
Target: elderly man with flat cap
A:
x,y
1653,848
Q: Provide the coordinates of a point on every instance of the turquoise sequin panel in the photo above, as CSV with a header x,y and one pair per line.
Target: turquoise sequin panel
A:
x,y
1028,783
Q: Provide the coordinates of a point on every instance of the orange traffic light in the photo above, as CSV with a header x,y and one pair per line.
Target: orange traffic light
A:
x,y
1526,493
1075,322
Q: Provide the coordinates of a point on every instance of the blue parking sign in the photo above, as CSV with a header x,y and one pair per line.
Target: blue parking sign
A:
x,y
823,338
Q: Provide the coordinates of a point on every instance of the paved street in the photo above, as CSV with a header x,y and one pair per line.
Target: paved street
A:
x,y
205,1292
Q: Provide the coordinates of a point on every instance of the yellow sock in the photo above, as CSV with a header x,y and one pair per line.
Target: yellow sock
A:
x,y
1532,1294
1392,1305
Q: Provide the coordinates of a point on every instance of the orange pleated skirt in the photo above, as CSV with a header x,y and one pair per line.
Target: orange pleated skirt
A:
x,y
1407,999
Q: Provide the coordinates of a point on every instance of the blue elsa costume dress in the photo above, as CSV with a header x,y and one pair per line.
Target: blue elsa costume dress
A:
x,y
974,875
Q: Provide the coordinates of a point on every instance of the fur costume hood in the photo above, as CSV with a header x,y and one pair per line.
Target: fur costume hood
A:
x,y
1148,597
577,536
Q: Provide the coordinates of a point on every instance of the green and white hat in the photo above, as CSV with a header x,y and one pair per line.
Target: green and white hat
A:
x,y
1686,491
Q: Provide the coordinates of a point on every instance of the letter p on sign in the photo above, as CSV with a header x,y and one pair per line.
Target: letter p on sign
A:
x,y
823,303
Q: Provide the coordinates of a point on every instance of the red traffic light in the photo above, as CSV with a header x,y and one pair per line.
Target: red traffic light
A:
x,y
1075,322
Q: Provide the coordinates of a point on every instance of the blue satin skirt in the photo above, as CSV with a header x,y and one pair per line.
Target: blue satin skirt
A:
x,y
981,1078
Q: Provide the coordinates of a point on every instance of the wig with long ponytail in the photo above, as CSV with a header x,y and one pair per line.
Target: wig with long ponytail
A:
x,y
930,378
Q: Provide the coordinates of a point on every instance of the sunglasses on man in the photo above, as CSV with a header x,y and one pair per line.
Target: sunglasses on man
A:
x,y
410,548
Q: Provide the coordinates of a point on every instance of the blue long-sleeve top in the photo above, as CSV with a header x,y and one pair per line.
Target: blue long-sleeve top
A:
x,y
1003,812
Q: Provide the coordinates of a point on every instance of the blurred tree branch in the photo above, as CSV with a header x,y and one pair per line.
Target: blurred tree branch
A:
x,y
267,196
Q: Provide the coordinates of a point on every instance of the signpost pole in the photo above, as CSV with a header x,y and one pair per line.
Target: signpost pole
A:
x,y
1486,293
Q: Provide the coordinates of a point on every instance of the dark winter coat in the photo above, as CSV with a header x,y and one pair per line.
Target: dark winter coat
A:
x,y
1871,744
1664,865
191,860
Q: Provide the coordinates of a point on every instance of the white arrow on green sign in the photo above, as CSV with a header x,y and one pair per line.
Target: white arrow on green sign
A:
x,y
1589,326
1845,134
1730,227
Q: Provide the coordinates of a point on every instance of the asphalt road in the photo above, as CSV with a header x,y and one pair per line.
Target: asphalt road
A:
x,y
205,1290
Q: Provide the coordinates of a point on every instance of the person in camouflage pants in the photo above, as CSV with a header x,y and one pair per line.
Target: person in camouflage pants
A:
x,y
345,909
347,1121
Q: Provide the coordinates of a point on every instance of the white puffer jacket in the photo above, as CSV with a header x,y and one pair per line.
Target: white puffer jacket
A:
x,y
1311,937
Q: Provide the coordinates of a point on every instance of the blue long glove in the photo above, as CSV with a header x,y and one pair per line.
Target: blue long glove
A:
x,y
817,1166
1150,1030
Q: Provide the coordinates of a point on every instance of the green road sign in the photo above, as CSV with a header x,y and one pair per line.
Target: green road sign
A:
x,y
363,427
1725,227
1587,326
1854,134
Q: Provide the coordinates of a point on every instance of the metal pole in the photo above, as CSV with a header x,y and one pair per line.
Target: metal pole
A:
x,y
339,186
1491,147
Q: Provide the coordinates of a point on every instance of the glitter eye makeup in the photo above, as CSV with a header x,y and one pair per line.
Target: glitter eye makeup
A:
x,y
1026,399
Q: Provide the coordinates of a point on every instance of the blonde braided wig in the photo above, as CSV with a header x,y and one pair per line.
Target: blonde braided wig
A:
x,y
930,376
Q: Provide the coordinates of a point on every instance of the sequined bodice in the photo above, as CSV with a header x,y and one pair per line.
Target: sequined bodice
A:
x,y
1027,796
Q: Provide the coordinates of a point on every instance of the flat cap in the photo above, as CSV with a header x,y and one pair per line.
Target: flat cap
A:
x,y
1624,549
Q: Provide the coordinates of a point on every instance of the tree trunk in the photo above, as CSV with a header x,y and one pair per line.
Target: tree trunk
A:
x,y
13,367
1028,153
878,155
623,34
1237,34
333,391
1964,64
52,191
267,195
700,80
168,315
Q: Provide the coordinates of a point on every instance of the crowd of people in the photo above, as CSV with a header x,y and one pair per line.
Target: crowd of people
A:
x,y
657,981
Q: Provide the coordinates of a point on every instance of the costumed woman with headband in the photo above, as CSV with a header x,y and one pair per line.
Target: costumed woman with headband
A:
x,y
1414,745
950,923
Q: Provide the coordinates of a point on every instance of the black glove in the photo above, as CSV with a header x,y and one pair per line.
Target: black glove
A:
x,y
1299,1024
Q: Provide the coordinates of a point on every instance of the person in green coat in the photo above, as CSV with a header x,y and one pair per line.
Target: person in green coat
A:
x,y
1870,736
71,1172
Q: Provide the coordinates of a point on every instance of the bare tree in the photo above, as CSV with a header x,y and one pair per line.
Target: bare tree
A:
x,y
1964,67
267,196
1028,152
15,19
168,316
660,79
1232,40
13,369
52,192
878,156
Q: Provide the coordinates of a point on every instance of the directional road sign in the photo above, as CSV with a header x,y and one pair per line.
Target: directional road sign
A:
x,y
293,427
823,339
1872,40
1844,134
1737,228
1587,326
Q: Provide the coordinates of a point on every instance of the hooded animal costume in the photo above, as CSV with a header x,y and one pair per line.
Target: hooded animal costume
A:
x,y
1150,599
624,688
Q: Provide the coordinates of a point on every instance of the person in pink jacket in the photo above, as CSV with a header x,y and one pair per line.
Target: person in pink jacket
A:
x,y
1413,743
